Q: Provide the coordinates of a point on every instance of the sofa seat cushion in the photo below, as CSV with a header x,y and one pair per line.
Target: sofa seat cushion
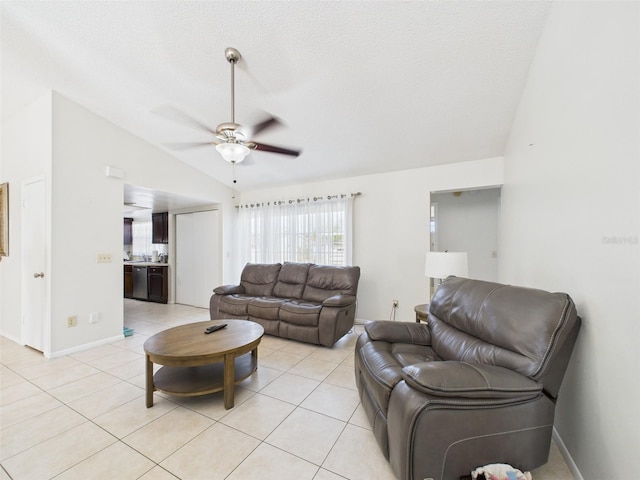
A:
x,y
235,305
299,312
267,308
383,363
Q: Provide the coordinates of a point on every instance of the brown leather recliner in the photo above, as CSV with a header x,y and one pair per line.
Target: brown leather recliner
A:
x,y
475,386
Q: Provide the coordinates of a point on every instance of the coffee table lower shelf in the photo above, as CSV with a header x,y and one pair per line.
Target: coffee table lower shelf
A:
x,y
202,380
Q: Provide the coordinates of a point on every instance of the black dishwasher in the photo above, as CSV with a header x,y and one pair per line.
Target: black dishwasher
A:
x,y
140,290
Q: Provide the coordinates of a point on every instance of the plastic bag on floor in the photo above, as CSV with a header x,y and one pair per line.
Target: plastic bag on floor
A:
x,y
500,471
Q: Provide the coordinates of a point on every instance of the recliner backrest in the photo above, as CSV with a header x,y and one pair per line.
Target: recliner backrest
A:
x,y
291,280
325,281
259,279
527,330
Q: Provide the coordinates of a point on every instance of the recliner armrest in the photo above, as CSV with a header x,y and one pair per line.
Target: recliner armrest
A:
x,y
398,332
339,301
465,380
228,289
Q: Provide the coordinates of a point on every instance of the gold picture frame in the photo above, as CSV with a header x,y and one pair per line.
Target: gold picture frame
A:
x,y
4,220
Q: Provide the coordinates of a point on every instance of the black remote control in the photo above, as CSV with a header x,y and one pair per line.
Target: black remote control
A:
x,y
215,328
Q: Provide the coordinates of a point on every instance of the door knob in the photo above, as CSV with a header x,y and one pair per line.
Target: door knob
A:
x,y
38,275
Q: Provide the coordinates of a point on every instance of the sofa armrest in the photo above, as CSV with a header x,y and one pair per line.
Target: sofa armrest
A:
x,y
339,301
398,332
465,380
228,289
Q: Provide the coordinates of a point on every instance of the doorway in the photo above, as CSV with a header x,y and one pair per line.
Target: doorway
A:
x,y
469,221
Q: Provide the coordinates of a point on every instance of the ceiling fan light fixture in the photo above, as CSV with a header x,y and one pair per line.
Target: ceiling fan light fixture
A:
x,y
233,152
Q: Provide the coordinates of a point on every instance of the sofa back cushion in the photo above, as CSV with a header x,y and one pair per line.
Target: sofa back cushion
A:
x,y
259,279
291,280
513,327
325,281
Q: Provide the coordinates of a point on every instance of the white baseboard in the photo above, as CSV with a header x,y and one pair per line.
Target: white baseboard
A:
x,y
84,346
11,337
566,455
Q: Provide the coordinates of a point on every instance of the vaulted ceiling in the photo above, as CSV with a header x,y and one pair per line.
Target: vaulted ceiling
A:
x,y
362,87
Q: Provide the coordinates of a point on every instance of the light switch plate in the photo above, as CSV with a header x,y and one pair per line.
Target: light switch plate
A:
x,y
103,258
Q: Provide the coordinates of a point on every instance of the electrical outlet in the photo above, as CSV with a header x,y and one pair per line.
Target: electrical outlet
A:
x,y
395,304
72,321
103,258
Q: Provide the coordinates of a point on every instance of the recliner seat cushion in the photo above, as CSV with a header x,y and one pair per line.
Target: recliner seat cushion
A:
x,y
235,305
299,312
265,307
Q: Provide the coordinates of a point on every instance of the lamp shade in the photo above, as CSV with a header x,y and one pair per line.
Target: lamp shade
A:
x,y
232,152
443,264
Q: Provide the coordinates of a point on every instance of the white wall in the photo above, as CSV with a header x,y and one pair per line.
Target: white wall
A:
x,y
86,217
391,227
469,221
571,218
26,154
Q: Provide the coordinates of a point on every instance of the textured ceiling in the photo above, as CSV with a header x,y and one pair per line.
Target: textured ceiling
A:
x,y
363,87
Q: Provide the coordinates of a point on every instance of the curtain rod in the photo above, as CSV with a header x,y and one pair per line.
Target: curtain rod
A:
x,y
300,200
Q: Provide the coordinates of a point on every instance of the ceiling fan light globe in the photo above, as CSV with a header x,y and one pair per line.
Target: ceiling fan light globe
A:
x,y
233,152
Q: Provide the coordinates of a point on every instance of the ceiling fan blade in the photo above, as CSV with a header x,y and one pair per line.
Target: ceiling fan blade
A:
x,y
188,145
270,148
172,113
250,132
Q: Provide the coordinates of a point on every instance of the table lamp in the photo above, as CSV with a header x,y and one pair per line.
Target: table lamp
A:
x,y
440,265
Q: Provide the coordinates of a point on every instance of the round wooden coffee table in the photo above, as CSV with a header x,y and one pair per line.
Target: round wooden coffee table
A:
x,y
197,364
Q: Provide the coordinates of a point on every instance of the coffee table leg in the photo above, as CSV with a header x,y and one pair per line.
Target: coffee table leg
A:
x,y
229,380
149,374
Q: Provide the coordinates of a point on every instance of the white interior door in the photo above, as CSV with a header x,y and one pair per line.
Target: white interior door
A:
x,y
34,278
197,257
207,264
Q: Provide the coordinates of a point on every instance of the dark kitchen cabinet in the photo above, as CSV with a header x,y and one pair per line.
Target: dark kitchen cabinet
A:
x,y
128,231
160,224
128,281
158,283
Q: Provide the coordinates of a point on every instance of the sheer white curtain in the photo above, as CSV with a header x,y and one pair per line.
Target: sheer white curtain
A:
x,y
141,231
314,230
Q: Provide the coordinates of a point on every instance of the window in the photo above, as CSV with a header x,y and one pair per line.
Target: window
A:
x,y
314,231
142,233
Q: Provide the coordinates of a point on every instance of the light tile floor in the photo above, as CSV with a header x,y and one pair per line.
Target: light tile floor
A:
x,y
83,416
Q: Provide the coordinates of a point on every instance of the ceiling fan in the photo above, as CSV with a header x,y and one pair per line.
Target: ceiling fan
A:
x,y
232,140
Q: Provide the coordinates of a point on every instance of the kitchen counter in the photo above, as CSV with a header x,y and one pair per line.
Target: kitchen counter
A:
x,y
146,280
145,264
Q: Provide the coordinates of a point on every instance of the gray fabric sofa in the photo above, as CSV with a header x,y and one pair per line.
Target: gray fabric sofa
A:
x,y
477,385
302,301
